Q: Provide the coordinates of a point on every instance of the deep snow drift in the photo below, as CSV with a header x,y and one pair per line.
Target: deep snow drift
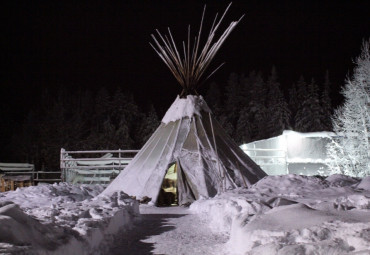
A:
x,y
62,219
294,214
288,214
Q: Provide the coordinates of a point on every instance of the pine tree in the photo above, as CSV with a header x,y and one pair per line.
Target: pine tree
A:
x,y
243,127
308,117
349,153
301,104
125,116
293,104
232,103
315,108
255,99
326,106
213,99
277,108
147,126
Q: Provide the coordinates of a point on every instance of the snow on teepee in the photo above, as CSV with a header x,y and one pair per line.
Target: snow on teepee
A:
x,y
205,159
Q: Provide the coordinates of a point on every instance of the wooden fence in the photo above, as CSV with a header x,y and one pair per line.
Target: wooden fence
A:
x,y
93,167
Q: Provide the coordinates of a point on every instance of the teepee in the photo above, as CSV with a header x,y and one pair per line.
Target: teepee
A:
x,y
207,161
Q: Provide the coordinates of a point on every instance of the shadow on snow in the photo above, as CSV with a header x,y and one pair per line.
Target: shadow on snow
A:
x,y
133,241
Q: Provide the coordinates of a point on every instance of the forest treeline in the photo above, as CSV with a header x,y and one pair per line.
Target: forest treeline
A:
x,y
250,107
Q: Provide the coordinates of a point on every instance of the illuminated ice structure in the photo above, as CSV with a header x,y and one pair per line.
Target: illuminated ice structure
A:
x,y
291,153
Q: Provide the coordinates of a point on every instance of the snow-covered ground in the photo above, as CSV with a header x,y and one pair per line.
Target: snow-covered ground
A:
x,y
288,214
62,219
293,214
170,230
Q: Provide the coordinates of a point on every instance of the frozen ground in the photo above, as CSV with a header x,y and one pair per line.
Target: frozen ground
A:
x,y
170,231
62,219
288,214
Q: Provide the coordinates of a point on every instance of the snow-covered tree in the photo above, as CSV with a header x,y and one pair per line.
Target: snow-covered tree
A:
x,y
326,106
232,103
297,97
243,127
277,107
350,150
293,104
148,125
254,102
213,99
309,115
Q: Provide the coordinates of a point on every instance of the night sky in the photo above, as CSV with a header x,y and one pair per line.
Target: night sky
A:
x,y
50,44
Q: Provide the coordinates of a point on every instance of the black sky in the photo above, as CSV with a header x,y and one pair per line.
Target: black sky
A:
x,y
48,44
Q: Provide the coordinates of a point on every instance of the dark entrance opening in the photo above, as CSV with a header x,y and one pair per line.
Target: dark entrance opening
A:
x,y
168,194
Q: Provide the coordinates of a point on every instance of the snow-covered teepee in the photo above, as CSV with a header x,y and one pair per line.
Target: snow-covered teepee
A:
x,y
207,160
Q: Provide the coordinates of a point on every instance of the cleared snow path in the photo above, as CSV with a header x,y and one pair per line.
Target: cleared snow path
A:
x,y
171,230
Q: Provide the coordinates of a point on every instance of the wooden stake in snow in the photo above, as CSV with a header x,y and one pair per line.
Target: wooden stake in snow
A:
x,y
190,68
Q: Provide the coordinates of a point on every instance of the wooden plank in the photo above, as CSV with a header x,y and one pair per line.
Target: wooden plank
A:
x,y
97,159
102,151
46,172
46,180
96,179
21,165
3,185
115,167
16,173
11,169
83,172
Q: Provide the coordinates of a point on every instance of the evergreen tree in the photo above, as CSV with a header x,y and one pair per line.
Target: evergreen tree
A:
x,y
148,126
125,117
100,121
256,108
293,104
243,127
213,99
122,137
301,118
277,108
326,106
302,90
102,107
309,116
350,151
232,103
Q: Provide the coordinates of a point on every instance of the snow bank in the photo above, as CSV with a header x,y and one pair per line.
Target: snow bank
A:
x,y
293,214
185,107
62,219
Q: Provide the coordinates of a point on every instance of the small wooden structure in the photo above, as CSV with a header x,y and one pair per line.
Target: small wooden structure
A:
x,y
14,175
9,183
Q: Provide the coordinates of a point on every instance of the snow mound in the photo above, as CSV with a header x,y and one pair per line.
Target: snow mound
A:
x,y
62,219
289,184
340,180
185,107
364,184
293,214
225,208
19,229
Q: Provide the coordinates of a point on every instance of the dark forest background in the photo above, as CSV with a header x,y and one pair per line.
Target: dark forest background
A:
x,y
250,107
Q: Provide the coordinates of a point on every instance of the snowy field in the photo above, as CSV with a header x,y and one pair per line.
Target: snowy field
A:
x,y
288,214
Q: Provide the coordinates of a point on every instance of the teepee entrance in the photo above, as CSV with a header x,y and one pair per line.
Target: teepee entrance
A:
x,y
168,194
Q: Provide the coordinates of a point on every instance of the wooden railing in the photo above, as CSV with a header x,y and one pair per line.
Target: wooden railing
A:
x,y
96,166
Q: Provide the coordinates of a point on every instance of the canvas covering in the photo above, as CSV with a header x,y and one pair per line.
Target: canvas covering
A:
x,y
208,160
